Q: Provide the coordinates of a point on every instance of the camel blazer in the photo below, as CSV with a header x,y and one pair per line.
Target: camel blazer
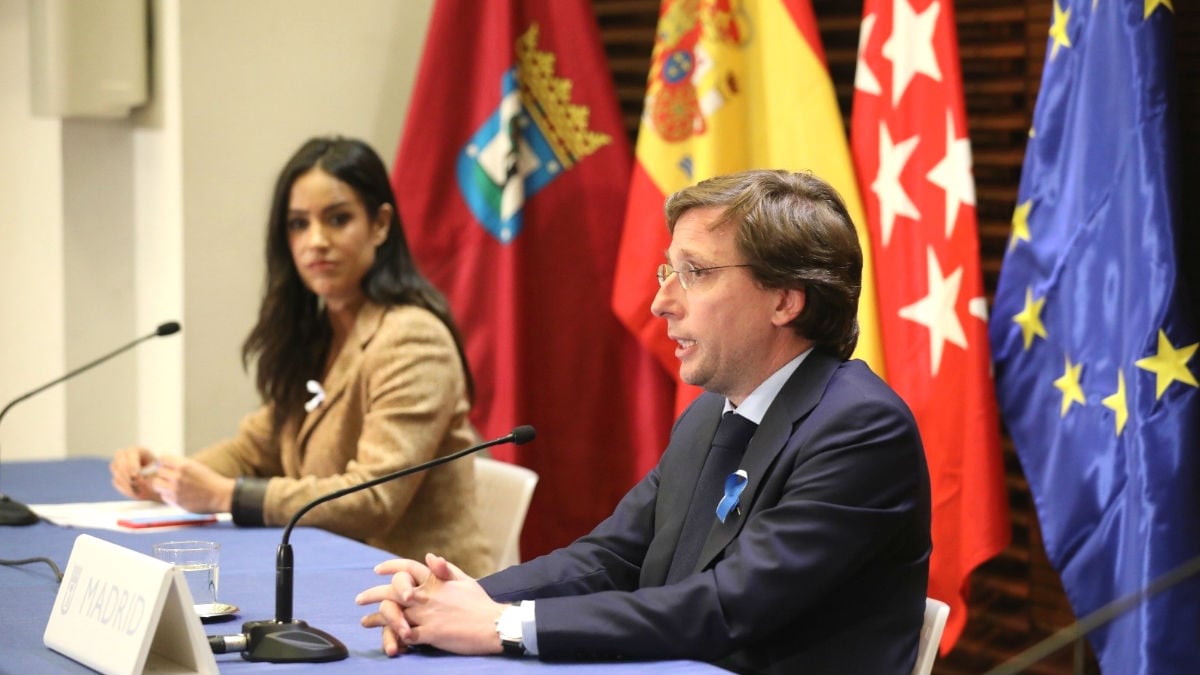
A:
x,y
822,569
394,397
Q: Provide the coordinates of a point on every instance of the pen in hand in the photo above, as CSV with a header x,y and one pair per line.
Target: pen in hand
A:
x,y
148,470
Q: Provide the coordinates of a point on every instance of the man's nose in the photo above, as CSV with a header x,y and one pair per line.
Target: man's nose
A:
x,y
668,301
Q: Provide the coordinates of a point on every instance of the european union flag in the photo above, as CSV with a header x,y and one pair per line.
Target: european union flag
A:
x,y
1094,347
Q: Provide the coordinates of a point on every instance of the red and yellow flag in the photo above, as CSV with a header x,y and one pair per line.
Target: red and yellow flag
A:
x,y
909,134
732,86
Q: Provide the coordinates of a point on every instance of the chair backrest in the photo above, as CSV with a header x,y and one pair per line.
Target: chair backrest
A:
x,y
502,494
936,612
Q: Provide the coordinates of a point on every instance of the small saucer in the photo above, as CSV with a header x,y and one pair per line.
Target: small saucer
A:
x,y
214,612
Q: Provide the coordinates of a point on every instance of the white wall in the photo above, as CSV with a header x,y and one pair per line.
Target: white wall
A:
x,y
32,324
161,215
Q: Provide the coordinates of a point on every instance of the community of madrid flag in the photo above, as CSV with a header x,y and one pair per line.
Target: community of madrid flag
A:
x,y
1095,350
733,85
511,180
909,138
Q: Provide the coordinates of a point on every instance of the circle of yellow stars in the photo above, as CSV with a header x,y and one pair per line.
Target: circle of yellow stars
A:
x,y
1169,364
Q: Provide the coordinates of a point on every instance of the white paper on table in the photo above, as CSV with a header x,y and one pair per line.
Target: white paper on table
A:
x,y
104,515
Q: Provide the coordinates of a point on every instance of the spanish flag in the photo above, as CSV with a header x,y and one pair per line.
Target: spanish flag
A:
x,y
732,86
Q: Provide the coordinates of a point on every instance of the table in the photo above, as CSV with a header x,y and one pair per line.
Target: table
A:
x,y
329,571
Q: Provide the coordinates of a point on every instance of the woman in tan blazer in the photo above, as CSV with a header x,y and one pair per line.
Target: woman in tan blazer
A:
x,y
362,371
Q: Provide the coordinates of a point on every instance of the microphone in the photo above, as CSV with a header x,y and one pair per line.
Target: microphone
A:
x,y
287,640
164,329
15,513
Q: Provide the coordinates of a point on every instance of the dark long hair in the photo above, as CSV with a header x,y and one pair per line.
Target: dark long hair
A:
x,y
292,338
795,233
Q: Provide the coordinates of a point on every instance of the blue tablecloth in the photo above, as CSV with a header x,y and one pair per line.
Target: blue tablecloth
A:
x,y
329,571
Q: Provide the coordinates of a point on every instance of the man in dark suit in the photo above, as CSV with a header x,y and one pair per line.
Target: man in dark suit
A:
x,y
804,551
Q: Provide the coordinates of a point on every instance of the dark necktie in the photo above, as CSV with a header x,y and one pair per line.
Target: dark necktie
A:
x,y
729,444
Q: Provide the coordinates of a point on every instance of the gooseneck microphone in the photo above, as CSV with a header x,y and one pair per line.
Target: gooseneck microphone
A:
x,y
14,513
288,640
168,328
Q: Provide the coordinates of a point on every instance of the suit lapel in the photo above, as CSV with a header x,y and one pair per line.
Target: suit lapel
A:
x,y
681,465
365,325
798,397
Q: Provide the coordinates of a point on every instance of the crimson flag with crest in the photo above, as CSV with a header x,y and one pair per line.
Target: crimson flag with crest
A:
x,y
511,179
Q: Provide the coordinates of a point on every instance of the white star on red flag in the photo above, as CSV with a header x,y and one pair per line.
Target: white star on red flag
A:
x,y
910,47
893,200
913,156
936,311
864,78
953,174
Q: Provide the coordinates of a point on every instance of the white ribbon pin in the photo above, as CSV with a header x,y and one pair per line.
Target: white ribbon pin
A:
x,y
318,393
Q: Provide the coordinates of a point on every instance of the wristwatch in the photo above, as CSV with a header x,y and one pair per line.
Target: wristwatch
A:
x,y
508,627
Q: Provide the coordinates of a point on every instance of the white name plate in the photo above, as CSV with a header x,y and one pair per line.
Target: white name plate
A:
x,y
125,613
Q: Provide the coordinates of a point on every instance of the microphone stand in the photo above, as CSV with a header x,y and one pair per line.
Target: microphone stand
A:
x,y
288,640
15,513
1078,630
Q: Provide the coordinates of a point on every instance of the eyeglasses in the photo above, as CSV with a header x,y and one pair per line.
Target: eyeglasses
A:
x,y
688,276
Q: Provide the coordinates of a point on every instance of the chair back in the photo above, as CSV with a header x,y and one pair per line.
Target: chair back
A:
x,y
503,492
936,612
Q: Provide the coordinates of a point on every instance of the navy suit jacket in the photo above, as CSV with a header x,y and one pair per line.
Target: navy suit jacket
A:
x,y
822,569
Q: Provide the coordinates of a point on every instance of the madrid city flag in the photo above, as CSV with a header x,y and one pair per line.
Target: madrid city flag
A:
x,y
1094,344
511,180
732,86
909,138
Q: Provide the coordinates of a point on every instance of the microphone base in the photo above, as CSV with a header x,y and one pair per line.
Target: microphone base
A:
x,y
15,513
291,642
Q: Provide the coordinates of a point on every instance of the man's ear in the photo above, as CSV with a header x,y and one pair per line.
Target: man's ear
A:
x,y
788,307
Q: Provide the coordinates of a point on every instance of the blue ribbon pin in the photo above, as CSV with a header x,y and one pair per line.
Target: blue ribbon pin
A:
x,y
734,484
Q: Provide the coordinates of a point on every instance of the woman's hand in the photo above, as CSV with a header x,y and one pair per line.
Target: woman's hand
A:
x,y
126,468
192,485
